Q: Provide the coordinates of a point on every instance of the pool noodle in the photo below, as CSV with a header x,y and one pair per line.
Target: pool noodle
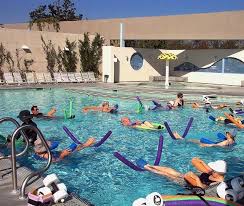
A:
x,y
212,118
207,141
169,130
138,99
188,127
105,137
221,136
68,132
127,162
70,108
159,152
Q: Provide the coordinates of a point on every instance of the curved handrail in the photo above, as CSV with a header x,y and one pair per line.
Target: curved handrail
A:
x,y
13,159
10,119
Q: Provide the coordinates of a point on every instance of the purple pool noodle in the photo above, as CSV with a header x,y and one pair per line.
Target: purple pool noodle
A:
x,y
188,127
68,132
157,104
127,162
159,152
105,137
241,112
169,130
138,99
192,203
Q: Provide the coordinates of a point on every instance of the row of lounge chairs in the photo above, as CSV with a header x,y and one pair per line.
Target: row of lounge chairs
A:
x,y
37,77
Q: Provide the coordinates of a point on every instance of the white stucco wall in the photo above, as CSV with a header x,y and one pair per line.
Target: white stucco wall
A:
x,y
154,67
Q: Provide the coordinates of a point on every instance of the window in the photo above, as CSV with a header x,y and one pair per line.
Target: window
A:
x,y
136,61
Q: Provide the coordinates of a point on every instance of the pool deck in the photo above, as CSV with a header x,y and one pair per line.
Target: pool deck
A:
x,y
7,198
142,87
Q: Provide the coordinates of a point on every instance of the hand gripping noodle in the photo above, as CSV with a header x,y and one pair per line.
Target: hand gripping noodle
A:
x,y
154,199
139,202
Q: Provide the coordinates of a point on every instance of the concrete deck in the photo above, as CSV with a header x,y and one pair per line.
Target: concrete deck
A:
x,y
8,198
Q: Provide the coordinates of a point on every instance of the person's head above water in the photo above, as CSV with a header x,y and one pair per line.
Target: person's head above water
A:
x,y
105,104
231,134
25,116
179,95
218,166
34,110
125,121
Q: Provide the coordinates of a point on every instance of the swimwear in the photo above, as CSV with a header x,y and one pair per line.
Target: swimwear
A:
x,y
204,177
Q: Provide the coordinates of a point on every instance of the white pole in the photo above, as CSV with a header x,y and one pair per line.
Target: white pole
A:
x,y
121,42
167,75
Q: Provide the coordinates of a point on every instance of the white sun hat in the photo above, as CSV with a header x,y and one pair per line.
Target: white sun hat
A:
x,y
218,166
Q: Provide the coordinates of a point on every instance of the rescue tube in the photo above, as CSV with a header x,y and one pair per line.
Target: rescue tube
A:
x,y
229,117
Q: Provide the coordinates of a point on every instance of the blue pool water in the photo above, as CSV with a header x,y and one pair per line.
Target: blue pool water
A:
x,y
96,174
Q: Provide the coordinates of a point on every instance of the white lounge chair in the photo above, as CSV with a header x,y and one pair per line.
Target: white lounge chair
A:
x,y
40,78
85,77
71,77
79,77
48,78
65,78
17,78
92,76
57,77
30,78
8,77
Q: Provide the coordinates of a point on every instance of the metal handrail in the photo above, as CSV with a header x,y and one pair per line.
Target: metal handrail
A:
x,y
30,176
10,119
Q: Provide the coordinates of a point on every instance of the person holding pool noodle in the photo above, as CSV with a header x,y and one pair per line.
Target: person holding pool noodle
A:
x,y
225,141
211,173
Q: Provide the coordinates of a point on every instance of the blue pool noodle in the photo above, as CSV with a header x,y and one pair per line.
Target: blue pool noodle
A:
x,y
159,152
212,118
207,141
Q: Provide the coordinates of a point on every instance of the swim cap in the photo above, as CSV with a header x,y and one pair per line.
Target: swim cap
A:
x,y
218,166
233,132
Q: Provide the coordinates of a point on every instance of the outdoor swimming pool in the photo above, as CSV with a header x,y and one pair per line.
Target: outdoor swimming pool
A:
x,y
96,174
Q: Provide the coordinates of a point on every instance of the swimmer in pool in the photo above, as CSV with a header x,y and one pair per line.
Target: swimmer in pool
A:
x,y
211,173
127,122
36,112
230,140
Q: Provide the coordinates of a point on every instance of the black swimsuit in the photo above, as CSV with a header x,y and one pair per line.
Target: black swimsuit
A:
x,y
204,177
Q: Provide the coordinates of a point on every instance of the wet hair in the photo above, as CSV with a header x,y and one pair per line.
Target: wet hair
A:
x,y
179,95
33,108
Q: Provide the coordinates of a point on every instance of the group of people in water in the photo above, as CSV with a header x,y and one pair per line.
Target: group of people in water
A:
x,y
210,173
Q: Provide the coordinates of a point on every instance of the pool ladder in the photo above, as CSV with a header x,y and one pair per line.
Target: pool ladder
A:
x,y
12,157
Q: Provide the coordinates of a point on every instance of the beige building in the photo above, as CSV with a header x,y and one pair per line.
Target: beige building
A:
x,y
118,62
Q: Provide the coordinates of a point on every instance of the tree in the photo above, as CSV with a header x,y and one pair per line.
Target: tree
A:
x,y
69,56
91,53
51,55
2,59
9,61
59,60
52,14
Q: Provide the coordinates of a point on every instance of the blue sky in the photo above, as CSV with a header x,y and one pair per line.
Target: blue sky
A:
x,y
15,11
